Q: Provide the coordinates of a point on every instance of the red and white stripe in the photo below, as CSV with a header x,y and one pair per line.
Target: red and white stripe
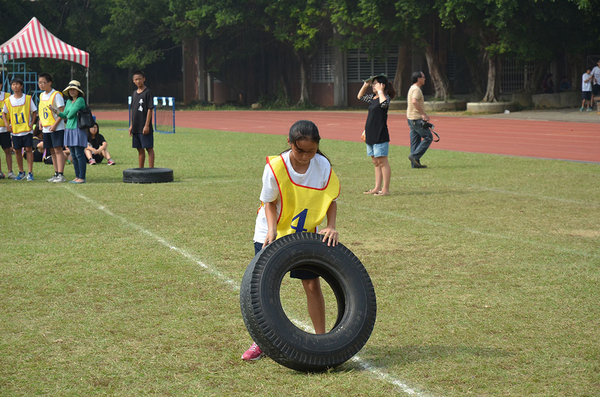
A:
x,y
35,41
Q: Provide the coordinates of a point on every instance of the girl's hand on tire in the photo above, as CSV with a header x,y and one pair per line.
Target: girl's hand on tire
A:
x,y
330,235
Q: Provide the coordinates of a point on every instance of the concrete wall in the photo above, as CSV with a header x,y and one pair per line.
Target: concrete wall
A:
x,y
555,101
321,94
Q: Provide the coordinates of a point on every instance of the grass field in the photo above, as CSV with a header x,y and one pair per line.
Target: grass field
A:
x,y
486,268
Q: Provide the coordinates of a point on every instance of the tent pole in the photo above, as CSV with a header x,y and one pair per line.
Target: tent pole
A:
x,y
87,87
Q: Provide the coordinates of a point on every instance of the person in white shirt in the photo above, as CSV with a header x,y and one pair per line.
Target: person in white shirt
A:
x,y
595,82
52,127
586,90
19,114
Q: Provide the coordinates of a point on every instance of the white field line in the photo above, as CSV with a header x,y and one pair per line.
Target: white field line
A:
x,y
378,373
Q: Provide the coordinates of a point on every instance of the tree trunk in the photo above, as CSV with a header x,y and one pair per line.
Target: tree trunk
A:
x,y
493,84
304,80
402,57
477,69
576,65
436,45
437,74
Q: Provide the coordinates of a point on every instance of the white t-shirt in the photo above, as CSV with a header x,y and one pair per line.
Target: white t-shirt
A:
x,y
316,176
586,86
596,74
20,102
59,102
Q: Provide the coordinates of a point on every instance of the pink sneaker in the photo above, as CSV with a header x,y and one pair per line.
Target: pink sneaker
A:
x,y
252,354
92,162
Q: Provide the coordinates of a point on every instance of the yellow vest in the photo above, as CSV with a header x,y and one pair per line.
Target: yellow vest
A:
x,y
46,116
302,208
2,123
19,115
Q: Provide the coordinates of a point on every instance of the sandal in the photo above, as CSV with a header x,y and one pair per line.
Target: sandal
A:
x,y
381,194
372,191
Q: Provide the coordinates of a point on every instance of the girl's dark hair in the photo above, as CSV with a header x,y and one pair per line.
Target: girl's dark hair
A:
x,y
97,130
389,87
304,129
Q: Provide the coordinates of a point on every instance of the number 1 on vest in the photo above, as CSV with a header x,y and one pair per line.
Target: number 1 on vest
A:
x,y
299,228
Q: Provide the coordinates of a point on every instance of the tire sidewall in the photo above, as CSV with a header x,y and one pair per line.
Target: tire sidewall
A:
x,y
147,175
270,327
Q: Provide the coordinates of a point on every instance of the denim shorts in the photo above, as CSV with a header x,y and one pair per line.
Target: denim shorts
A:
x,y
378,149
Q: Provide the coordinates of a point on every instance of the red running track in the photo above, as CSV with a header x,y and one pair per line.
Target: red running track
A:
x,y
528,138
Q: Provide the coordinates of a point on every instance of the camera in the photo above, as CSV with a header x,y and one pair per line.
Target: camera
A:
x,y
427,124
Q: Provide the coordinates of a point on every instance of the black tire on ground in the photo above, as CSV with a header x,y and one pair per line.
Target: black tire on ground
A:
x,y
273,331
147,175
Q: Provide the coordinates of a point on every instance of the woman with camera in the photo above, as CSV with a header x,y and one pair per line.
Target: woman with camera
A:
x,y
376,134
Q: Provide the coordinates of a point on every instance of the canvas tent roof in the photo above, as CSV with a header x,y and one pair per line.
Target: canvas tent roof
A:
x,y
35,41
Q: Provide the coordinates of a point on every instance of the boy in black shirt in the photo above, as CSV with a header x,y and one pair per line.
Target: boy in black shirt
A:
x,y
141,131
97,147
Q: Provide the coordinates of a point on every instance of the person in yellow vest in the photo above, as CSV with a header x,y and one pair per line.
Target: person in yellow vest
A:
x,y
53,127
5,141
19,115
299,190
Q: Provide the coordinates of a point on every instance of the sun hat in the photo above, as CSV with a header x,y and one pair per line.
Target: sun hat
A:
x,y
73,84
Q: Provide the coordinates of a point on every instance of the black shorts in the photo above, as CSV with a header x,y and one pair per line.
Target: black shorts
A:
x,y
5,141
54,139
141,141
596,89
19,142
586,95
98,158
301,274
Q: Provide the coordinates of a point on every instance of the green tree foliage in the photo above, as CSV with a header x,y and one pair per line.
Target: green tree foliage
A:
x,y
302,25
125,34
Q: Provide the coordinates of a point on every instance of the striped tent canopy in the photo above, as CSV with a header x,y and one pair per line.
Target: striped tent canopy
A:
x,y
35,41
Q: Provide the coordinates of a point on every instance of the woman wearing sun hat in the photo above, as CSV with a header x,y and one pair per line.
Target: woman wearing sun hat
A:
x,y
75,138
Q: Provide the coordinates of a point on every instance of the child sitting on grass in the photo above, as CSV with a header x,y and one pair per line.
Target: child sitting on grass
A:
x,y
97,147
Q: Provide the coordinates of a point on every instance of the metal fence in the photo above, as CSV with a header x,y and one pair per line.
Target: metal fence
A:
x,y
515,75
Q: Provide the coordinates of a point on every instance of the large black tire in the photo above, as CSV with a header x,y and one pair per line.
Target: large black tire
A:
x,y
147,175
273,331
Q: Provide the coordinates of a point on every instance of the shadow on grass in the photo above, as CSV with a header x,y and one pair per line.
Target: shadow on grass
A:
x,y
404,355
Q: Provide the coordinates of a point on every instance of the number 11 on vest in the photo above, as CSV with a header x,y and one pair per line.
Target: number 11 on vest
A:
x,y
299,228
22,118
